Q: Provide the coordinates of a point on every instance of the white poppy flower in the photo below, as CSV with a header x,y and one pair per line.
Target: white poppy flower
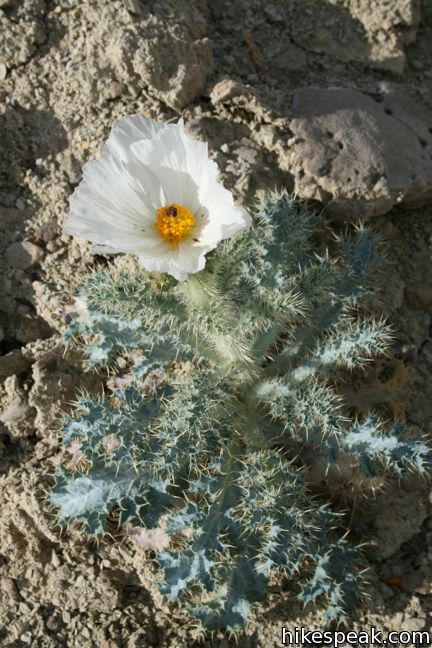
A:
x,y
154,193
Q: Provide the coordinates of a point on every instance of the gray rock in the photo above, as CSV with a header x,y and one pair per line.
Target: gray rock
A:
x,y
228,90
18,410
414,580
167,51
23,255
356,30
235,97
49,231
10,218
135,7
360,155
414,624
13,363
392,517
72,167
27,326
274,13
282,57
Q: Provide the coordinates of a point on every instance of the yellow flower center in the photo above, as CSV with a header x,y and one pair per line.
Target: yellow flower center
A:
x,y
174,223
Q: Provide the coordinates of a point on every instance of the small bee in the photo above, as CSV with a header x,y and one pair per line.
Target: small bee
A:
x,y
171,211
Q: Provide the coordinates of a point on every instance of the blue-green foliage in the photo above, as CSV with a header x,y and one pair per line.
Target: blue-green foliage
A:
x,y
267,328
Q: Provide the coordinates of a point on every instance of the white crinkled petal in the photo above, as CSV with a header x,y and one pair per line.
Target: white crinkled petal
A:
x,y
109,207
179,263
127,131
178,187
174,149
223,218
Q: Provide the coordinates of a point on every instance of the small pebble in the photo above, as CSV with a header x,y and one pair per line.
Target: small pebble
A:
x,y
52,623
274,13
86,633
55,560
414,623
116,89
23,255
51,246
26,637
17,410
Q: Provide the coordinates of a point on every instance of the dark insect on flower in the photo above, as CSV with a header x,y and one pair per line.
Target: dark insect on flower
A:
x,y
171,211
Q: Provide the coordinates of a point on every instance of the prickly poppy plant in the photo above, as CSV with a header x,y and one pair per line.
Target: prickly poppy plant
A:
x,y
226,369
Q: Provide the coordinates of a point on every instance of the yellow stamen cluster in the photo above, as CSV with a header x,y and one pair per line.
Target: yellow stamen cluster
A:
x,y
174,223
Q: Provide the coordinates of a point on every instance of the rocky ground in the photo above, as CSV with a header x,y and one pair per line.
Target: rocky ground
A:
x,y
330,98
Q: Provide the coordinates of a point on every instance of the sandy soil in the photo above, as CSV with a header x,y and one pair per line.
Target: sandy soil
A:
x,y
68,70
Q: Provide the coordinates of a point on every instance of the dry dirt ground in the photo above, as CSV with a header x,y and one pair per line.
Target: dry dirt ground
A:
x,y
68,71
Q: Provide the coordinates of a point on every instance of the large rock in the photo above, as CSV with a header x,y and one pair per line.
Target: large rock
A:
x,y
165,49
360,155
356,30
